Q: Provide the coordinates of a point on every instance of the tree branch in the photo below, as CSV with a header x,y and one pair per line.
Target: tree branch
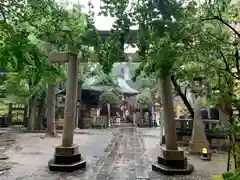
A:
x,y
222,21
209,64
183,96
228,25
220,69
219,38
227,66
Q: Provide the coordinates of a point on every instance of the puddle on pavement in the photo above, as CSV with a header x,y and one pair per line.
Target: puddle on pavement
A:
x,y
9,140
88,133
5,167
31,153
3,157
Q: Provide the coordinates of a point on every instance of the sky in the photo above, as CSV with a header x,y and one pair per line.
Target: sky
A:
x,y
101,23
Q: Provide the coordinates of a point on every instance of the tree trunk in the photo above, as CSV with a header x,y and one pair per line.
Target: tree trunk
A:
x,y
168,113
32,114
25,116
183,96
10,106
227,109
51,103
41,113
150,119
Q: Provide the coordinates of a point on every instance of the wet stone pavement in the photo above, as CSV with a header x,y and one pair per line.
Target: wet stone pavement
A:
x,y
124,157
116,154
7,140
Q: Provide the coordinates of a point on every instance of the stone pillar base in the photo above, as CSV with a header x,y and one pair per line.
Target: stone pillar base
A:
x,y
66,159
195,148
172,162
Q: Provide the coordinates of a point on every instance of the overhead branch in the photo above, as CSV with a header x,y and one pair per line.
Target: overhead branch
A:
x,y
220,69
228,25
182,95
227,68
209,64
219,38
223,22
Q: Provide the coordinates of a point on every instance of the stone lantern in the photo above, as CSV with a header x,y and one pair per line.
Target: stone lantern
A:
x,y
198,139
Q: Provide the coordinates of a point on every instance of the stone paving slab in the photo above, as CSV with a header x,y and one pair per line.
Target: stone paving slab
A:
x,y
116,154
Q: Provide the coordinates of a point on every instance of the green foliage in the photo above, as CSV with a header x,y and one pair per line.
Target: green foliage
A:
x,y
231,176
165,27
24,33
16,87
22,47
107,79
108,53
110,97
145,99
220,129
112,50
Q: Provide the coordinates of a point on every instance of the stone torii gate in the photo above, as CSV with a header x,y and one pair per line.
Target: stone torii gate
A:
x,y
171,160
67,157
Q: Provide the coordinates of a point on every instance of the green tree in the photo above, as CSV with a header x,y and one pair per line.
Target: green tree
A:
x,y
214,58
24,48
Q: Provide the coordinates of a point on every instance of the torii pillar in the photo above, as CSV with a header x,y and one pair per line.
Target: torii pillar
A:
x,y
171,159
67,157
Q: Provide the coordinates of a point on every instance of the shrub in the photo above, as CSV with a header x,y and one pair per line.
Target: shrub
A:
x,y
231,176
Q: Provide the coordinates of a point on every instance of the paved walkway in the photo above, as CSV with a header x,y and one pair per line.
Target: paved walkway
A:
x,y
124,158
115,154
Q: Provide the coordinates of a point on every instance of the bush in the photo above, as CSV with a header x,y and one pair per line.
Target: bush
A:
x,y
231,176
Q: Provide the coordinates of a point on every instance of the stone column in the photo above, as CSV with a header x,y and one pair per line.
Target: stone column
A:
x,y
70,104
171,159
168,115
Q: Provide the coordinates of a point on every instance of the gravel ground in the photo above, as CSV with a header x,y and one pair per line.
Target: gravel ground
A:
x,y
115,154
